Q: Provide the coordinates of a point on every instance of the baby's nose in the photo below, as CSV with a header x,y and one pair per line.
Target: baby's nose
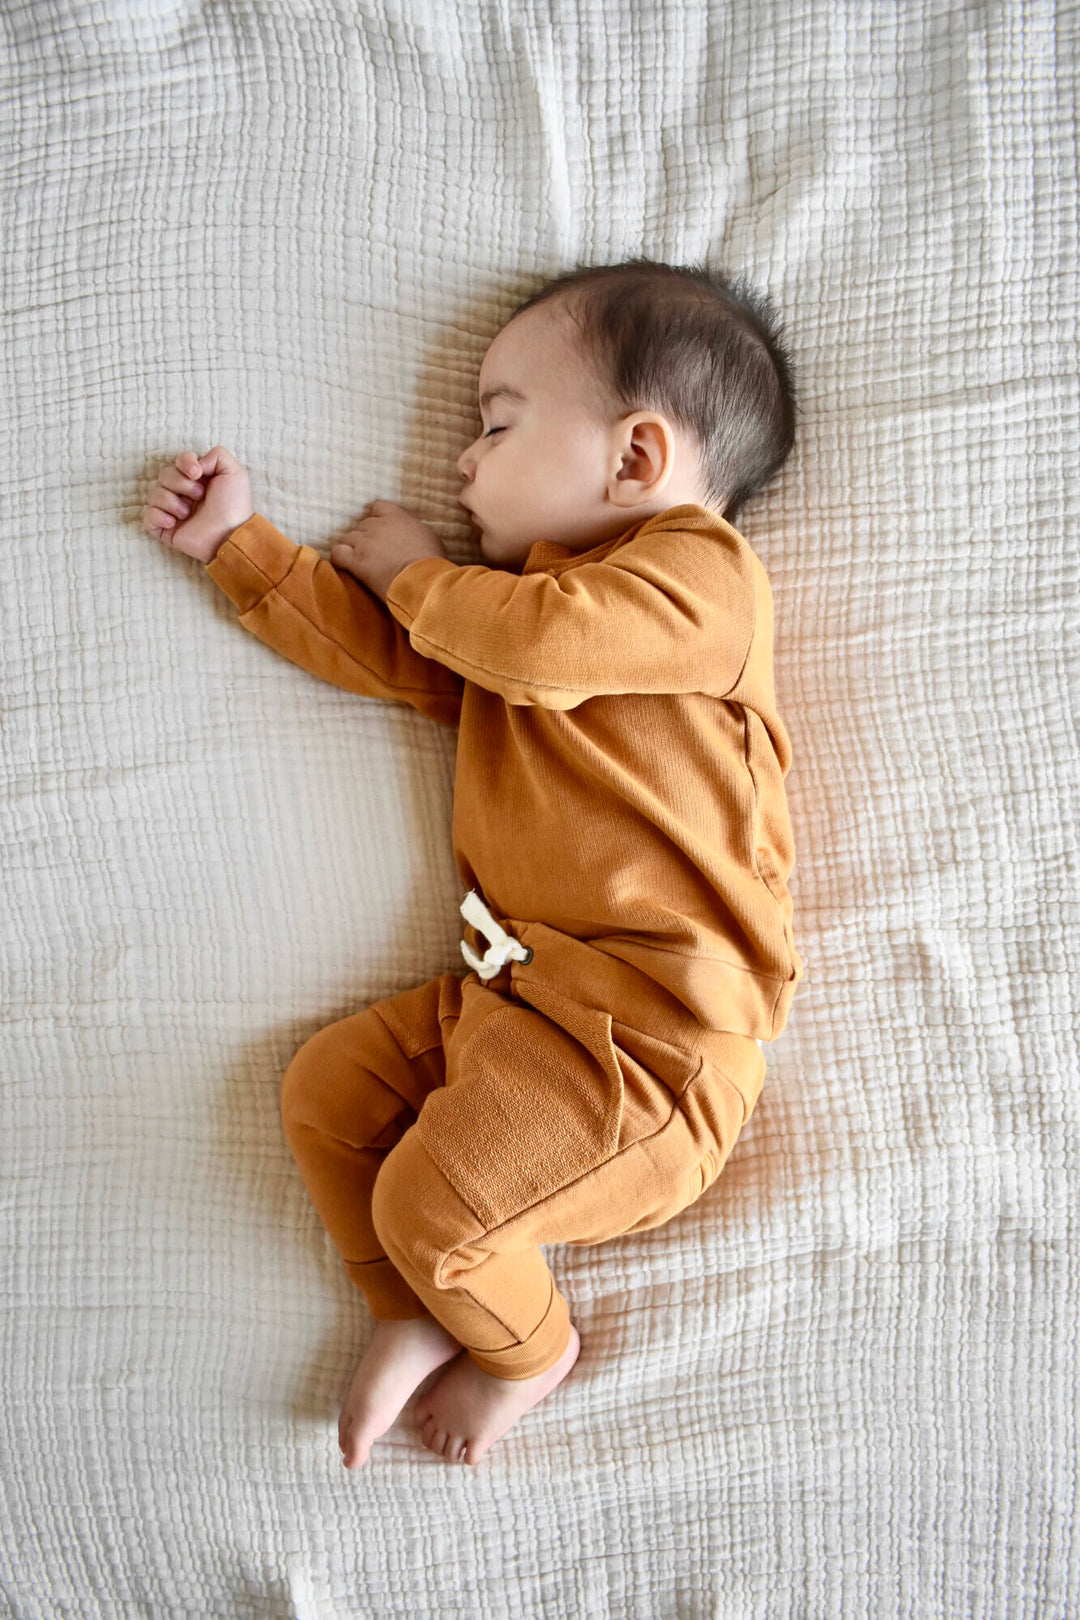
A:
x,y
469,457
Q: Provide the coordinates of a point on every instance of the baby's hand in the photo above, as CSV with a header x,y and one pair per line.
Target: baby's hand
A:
x,y
197,502
384,543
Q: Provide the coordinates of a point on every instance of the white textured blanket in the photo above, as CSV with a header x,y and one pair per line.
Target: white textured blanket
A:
x,y
844,1383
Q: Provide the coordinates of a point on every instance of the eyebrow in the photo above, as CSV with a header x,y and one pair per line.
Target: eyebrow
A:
x,y
504,391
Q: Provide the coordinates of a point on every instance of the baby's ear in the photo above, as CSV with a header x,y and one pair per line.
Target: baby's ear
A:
x,y
646,452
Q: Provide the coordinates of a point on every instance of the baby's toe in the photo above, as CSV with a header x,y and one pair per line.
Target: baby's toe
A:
x,y
353,1443
456,1448
434,1437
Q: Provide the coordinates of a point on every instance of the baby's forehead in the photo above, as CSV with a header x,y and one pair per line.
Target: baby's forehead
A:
x,y
535,353
543,332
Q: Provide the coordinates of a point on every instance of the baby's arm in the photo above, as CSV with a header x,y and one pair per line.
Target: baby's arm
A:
x,y
289,597
669,612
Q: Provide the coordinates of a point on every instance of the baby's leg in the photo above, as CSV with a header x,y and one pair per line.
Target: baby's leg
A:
x,y
348,1096
504,1307
545,1132
528,1107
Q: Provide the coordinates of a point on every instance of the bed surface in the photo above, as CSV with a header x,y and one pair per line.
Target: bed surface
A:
x,y
843,1384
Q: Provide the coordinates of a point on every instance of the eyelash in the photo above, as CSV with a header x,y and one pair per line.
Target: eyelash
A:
x,y
490,431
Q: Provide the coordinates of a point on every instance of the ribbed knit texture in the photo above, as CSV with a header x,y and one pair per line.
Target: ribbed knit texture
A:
x,y
620,759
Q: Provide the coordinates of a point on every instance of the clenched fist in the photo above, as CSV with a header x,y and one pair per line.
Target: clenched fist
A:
x,y
197,502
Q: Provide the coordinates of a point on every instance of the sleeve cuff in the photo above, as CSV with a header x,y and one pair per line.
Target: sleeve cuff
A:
x,y
253,559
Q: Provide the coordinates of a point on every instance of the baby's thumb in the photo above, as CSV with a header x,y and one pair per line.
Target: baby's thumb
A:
x,y
218,460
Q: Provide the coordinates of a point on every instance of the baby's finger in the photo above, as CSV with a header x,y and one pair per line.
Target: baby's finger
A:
x,y
172,478
166,501
157,523
188,464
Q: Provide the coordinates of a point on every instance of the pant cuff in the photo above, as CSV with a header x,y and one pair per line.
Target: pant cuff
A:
x,y
388,1295
540,1350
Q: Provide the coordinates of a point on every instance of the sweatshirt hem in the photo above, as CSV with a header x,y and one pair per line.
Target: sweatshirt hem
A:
x,y
645,990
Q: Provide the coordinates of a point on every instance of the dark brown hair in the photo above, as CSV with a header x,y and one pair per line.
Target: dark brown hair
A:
x,y
698,346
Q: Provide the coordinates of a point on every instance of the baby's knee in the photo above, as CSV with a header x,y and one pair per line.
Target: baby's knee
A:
x,y
408,1209
397,1198
310,1082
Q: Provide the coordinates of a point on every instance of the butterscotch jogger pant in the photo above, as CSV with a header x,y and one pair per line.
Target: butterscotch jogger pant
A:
x,y
444,1134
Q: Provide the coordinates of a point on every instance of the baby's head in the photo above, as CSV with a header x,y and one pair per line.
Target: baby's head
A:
x,y
615,392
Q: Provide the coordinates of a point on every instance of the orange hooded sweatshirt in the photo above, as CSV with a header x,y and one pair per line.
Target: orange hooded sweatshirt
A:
x,y
620,761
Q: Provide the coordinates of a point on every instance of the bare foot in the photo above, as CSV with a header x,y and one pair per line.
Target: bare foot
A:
x,y
466,1410
399,1357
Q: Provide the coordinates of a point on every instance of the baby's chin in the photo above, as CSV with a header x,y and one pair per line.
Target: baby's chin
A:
x,y
496,556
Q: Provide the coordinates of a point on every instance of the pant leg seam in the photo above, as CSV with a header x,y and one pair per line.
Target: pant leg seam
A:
x,y
557,1192
516,1343
421,1051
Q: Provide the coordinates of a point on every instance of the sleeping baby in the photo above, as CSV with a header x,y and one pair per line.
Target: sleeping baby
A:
x,y
620,827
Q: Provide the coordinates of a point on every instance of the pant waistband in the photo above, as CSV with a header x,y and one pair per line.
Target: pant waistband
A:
x,y
503,947
580,971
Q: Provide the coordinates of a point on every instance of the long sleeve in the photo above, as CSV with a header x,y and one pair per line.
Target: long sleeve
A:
x,y
327,622
670,611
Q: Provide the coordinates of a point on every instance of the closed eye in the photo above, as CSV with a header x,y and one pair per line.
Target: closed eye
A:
x,y
490,431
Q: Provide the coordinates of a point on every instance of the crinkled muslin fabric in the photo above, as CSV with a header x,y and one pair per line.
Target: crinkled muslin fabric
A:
x,y
841,1382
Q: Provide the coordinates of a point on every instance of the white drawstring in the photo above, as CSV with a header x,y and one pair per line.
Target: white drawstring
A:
x,y
503,947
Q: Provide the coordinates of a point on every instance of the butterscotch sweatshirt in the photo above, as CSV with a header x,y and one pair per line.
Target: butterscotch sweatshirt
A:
x,y
620,761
